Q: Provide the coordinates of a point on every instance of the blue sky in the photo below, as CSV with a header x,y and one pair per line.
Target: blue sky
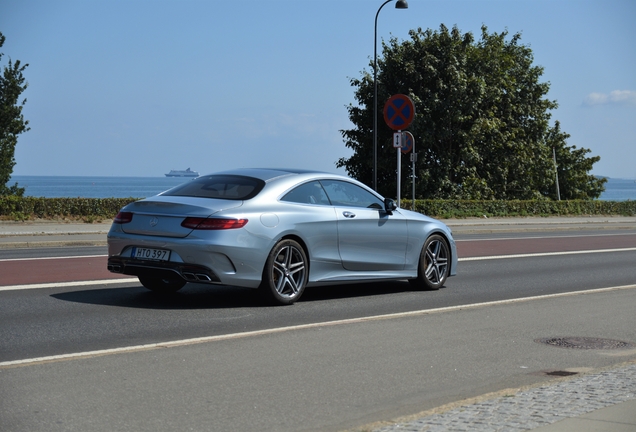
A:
x,y
140,87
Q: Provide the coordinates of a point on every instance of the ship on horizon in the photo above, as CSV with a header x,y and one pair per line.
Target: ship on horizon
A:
x,y
182,173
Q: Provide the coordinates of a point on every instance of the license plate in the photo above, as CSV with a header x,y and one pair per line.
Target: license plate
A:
x,y
150,254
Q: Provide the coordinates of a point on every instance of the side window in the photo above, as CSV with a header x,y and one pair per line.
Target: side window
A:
x,y
308,193
343,193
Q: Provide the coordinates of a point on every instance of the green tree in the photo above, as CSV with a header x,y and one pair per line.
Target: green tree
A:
x,y
12,123
482,124
573,167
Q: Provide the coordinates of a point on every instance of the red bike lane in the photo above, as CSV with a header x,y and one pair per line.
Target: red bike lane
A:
x,y
530,245
51,270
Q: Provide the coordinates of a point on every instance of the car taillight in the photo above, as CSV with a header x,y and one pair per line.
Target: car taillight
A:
x,y
213,223
123,218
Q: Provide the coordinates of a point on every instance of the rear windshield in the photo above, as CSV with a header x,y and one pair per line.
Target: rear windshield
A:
x,y
229,187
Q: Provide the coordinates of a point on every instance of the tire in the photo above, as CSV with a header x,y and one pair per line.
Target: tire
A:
x,y
285,273
433,267
162,285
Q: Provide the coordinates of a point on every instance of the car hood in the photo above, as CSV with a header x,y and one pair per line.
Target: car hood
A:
x,y
162,215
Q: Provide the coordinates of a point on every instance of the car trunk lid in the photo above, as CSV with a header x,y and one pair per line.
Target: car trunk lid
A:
x,y
162,216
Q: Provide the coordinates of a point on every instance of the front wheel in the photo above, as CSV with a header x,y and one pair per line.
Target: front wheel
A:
x,y
162,285
285,273
433,269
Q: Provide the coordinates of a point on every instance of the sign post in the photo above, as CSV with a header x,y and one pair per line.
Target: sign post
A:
x,y
397,143
399,112
408,145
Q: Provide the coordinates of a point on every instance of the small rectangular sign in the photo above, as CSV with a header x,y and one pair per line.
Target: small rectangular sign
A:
x,y
397,140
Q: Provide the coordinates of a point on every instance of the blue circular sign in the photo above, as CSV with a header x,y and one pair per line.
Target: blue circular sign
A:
x,y
407,142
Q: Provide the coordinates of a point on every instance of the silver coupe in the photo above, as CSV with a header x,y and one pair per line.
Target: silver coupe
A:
x,y
277,230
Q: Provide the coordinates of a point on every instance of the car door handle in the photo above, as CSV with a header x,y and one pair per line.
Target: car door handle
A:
x,y
348,214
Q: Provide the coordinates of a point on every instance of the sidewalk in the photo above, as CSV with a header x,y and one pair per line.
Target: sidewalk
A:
x,y
537,224
616,418
52,234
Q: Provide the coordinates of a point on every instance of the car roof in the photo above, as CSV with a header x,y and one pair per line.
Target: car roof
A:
x,y
267,174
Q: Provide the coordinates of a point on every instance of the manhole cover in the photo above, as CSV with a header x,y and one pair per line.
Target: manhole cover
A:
x,y
561,373
586,343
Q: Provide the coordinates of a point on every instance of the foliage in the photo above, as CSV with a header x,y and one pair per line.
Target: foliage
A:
x,y
24,208
482,124
508,208
91,209
12,123
573,169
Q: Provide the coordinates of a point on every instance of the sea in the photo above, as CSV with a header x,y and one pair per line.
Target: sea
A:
x,y
95,187
142,187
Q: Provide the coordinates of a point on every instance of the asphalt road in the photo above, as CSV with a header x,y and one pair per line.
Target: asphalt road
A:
x,y
341,357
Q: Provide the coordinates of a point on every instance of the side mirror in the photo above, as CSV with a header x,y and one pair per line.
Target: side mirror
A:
x,y
389,205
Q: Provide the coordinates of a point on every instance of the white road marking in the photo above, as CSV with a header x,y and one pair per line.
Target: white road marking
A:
x,y
543,254
208,339
541,237
52,258
68,284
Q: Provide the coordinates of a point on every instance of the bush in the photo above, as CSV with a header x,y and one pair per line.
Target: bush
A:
x,y
88,209
498,208
93,209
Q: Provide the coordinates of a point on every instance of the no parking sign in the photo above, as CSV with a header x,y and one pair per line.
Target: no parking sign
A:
x,y
407,142
399,112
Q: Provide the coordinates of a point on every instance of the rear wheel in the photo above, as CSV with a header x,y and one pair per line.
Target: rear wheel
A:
x,y
433,266
285,273
162,284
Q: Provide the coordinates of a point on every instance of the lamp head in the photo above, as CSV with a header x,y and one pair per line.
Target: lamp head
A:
x,y
401,4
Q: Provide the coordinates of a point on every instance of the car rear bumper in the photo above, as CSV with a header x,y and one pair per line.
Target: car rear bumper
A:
x,y
188,272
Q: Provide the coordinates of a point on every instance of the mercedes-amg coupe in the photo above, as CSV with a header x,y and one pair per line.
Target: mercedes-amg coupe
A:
x,y
278,230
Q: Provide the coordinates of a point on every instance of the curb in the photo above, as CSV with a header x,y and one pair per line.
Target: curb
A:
x,y
51,244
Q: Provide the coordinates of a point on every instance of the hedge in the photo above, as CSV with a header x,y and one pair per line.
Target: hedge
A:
x,y
90,209
499,208
24,208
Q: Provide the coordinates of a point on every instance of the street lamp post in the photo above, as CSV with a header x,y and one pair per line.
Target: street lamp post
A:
x,y
401,4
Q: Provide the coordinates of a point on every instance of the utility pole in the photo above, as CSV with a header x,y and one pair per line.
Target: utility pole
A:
x,y
556,172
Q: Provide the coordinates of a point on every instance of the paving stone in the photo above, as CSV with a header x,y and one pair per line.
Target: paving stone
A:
x,y
534,408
